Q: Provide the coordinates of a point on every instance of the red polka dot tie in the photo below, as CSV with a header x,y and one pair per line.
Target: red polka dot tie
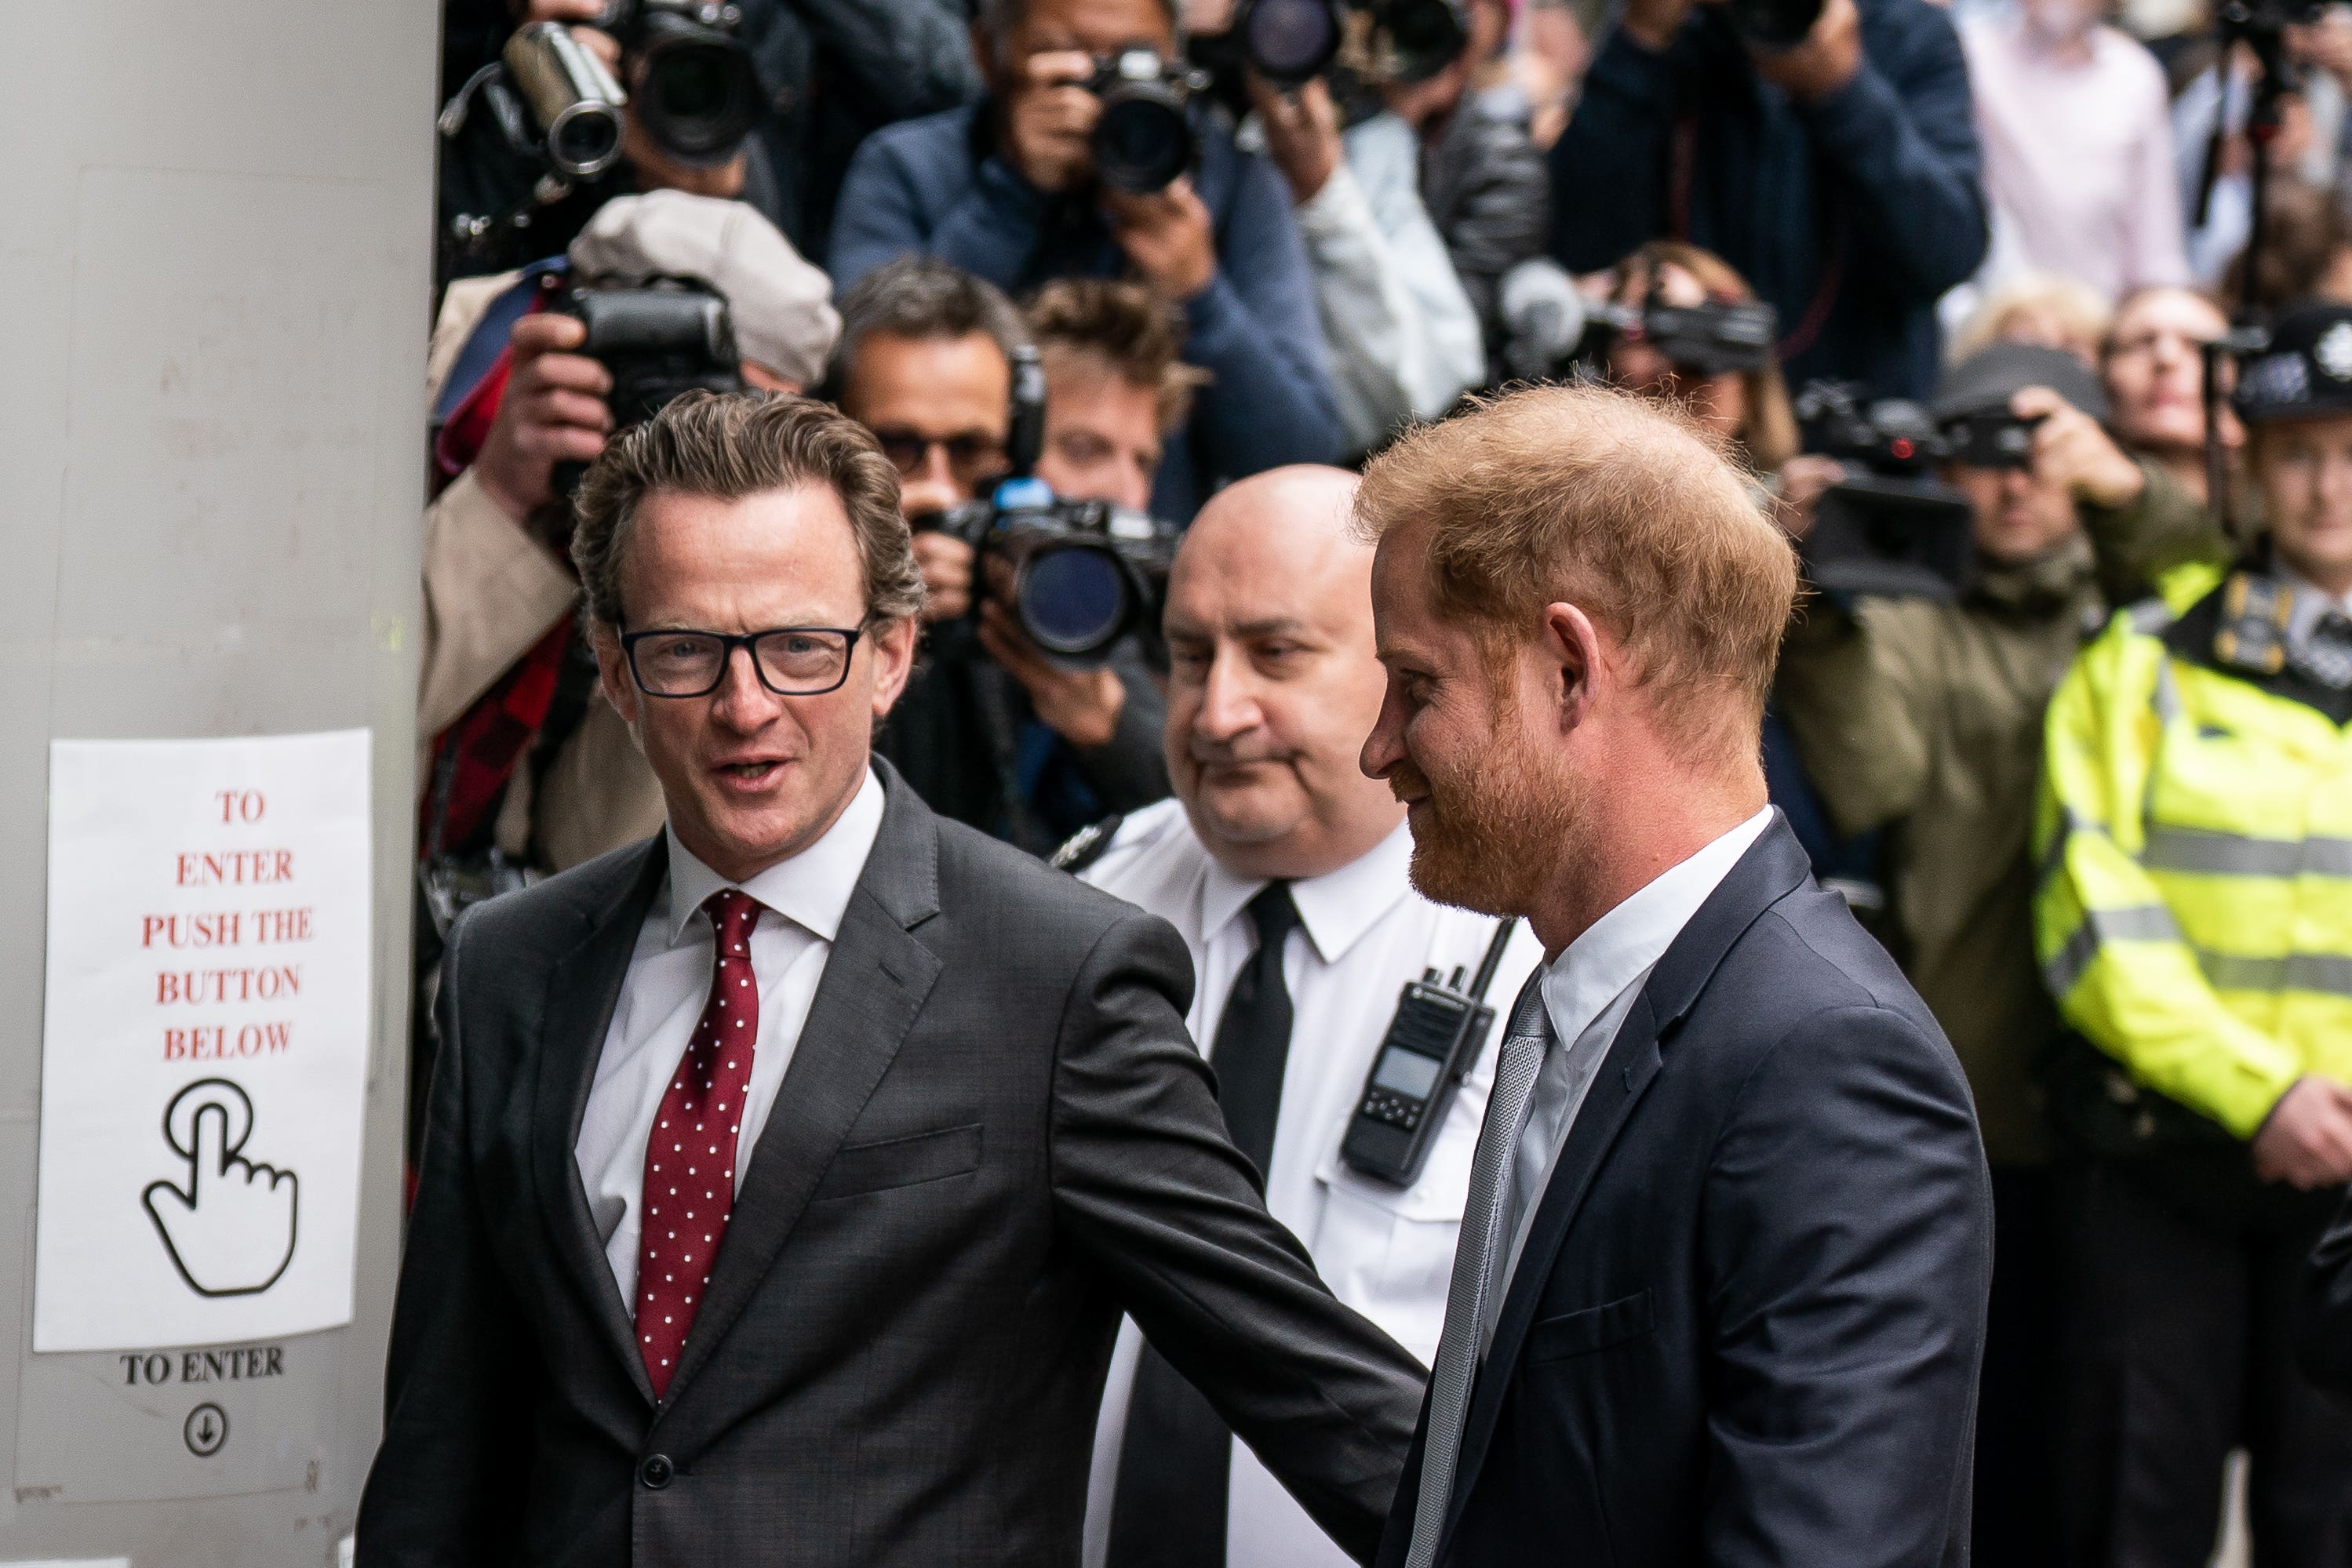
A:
x,y
689,1187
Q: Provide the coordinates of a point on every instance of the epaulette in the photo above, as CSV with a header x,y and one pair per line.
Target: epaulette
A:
x,y
1087,845
2252,636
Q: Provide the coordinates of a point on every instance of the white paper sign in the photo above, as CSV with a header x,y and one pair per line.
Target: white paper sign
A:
x,y
204,1058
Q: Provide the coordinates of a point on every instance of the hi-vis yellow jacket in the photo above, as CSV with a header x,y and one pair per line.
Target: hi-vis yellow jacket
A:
x,y
2195,831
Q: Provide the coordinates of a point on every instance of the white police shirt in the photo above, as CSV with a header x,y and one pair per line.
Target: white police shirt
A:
x,y
1385,1251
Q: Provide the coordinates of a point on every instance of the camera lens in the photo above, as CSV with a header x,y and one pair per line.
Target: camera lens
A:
x,y
698,97
1144,139
1423,36
1074,600
585,140
1289,41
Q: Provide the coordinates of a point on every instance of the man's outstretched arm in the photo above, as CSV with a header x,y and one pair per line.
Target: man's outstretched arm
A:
x,y
1146,1181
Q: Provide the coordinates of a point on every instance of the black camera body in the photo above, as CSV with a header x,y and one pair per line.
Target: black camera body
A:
x,y
1773,24
1895,530
695,89
544,116
1083,574
660,340
1989,438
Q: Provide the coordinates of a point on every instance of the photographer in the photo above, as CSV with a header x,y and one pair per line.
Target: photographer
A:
x,y
1748,407
2195,925
1923,717
827,73
1010,191
2151,363
990,731
1404,340
518,757
1482,178
1839,174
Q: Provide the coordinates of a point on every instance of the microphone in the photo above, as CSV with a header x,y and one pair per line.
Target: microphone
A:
x,y
1543,315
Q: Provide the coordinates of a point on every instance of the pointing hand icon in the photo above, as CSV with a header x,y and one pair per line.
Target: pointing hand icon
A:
x,y
230,1231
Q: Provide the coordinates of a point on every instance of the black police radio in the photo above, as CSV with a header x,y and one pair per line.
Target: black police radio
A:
x,y
1437,1032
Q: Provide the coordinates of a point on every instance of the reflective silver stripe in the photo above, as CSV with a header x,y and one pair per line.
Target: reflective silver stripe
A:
x,y
2167,697
2196,850
2134,923
2149,616
2327,973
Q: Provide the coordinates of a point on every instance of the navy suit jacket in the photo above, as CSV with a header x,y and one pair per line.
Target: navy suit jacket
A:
x,y
1746,1323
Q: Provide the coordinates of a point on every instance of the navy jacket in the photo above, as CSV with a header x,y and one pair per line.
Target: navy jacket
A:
x,y
1745,1325
934,185
2327,1332
1851,216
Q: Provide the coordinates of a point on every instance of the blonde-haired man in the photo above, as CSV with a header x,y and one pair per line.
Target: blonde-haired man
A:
x,y
1729,1233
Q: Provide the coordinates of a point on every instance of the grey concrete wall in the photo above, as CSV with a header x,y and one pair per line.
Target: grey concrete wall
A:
x,y
215,234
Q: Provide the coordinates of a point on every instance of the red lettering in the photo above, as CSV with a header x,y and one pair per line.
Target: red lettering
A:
x,y
207,868
239,805
225,930
198,987
282,925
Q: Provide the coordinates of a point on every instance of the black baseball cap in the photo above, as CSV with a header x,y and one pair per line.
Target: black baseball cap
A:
x,y
1987,379
2306,371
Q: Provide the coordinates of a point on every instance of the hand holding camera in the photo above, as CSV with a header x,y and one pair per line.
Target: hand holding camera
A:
x,y
1302,133
1169,238
553,411
2070,449
1049,117
1809,48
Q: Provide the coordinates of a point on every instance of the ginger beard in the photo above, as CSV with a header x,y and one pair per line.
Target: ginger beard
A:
x,y
1493,820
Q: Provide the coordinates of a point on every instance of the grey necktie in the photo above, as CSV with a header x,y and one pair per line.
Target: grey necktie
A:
x,y
1516,1068
2327,652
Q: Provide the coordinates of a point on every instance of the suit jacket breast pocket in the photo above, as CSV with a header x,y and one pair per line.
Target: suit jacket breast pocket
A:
x,y
1592,1328
861,1168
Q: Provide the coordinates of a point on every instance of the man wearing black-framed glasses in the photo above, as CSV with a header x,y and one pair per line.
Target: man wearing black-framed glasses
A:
x,y
786,1174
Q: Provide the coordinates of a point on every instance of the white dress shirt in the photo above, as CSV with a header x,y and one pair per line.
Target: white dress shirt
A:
x,y
1588,990
662,995
1388,1252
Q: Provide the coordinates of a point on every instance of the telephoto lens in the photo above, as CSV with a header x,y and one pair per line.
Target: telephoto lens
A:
x,y
1144,139
693,85
1289,42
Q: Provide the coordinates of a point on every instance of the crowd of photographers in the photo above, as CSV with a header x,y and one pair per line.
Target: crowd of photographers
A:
x,y
2017,311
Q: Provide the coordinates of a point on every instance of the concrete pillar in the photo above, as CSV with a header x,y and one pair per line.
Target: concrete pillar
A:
x,y
216,223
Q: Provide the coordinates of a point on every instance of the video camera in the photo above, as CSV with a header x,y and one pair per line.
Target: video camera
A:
x,y
1083,574
1895,530
660,340
547,115
1549,322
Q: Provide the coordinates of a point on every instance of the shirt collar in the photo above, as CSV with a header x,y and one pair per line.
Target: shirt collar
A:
x,y
2309,603
811,889
1627,942
1336,908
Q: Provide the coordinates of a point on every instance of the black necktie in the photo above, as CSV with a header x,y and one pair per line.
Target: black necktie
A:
x,y
1167,1510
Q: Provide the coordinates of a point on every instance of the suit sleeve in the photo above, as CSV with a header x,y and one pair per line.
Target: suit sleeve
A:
x,y
2327,1329
443,1492
1847,1233
1147,1182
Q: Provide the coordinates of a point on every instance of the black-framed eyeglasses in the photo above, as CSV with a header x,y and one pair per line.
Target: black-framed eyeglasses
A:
x,y
791,661
973,459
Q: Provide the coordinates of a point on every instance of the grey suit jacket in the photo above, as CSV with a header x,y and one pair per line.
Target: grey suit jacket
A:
x,y
994,1138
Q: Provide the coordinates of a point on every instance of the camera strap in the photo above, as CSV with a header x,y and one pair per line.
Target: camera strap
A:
x,y
1682,174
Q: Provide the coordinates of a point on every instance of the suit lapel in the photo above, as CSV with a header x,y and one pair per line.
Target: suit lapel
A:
x,y
581,992
875,980
1773,866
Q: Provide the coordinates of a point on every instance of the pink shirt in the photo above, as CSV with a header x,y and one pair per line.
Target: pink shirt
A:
x,y
2077,157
